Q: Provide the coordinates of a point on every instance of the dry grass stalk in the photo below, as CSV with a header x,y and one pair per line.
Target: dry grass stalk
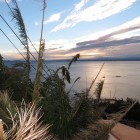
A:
x,y
40,60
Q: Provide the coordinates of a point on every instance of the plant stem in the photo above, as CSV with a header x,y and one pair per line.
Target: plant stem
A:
x,y
40,63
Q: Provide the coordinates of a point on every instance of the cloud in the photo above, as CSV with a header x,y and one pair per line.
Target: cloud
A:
x,y
53,18
106,43
130,50
55,47
36,23
97,11
111,43
118,41
80,5
11,55
111,34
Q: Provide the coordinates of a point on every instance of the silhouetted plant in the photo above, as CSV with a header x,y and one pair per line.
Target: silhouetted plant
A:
x,y
74,59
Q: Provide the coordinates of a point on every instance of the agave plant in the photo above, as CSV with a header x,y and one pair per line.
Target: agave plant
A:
x,y
26,122
6,105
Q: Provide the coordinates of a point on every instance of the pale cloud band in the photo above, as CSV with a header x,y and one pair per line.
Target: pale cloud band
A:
x,y
53,18
113,32
97,11
114,40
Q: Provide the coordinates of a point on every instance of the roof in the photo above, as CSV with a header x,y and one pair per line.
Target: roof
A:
x,y
124,132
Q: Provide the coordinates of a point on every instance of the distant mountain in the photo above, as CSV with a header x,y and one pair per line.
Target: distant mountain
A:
x,y
133,58
114,59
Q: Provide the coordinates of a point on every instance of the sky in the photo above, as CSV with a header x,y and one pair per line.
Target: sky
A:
x,y
93,28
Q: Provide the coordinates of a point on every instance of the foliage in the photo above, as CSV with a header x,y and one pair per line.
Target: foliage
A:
x,y
84,112
13,79
67,116
56,106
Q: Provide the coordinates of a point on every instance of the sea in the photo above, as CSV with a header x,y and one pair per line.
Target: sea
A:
x,y
121,78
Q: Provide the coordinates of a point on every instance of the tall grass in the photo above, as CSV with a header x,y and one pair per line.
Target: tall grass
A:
x,y
17,17
56,106
67,116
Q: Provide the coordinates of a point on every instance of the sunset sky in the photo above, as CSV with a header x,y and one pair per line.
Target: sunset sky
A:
x,y
93,28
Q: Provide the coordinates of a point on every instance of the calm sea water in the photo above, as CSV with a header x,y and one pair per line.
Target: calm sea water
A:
x,y
122,78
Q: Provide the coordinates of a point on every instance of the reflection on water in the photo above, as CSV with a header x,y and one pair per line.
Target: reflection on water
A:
x,y
122,78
